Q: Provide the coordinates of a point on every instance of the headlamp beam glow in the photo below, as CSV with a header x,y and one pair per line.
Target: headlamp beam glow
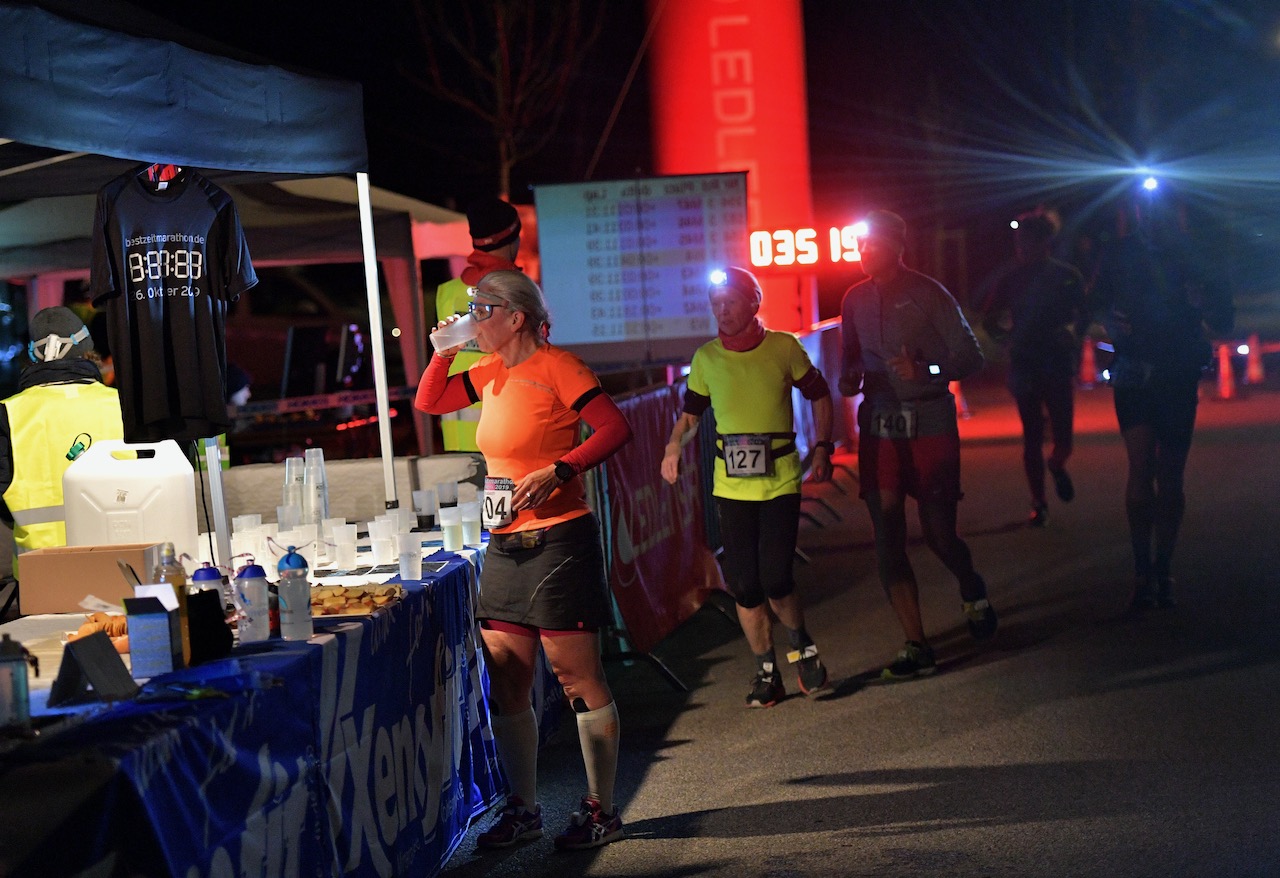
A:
x,y
718,277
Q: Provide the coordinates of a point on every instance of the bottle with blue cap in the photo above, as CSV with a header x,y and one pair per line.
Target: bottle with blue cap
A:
x,y
254,602
295,597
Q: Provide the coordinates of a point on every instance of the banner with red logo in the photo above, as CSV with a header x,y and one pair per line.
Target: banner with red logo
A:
x,y
661,567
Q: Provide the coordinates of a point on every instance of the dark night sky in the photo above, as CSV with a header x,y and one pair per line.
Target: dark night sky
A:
x,y
957,113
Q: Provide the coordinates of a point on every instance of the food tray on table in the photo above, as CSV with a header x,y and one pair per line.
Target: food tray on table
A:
x,y
352,601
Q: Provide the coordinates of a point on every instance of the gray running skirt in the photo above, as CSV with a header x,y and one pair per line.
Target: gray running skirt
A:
x,y
559,584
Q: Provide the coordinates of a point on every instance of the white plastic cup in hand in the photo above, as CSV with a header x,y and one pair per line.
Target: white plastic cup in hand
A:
x,y
451,527
411,566
459,332
470,523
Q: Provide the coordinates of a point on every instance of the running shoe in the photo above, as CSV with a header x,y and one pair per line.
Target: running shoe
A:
x,y
1144,596
981,617
515,823
590,827
766,689
811,672
915,660
1062,484
1039,516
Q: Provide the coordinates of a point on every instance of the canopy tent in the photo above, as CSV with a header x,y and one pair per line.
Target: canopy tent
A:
x,y
44,241
81,103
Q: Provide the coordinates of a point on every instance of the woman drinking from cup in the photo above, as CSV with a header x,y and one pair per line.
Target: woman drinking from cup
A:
x,y
543,578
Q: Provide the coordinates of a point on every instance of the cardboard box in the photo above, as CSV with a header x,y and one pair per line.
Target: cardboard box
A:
x,y
56,580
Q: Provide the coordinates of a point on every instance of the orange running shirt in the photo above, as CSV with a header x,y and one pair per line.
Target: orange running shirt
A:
x,y
528,422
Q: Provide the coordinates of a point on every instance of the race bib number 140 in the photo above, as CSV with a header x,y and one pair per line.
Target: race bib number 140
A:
x,y
894,424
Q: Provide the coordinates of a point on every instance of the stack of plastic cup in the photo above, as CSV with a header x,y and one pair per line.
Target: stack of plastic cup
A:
x,y
288,516
315,494
451,526
294,475
470,522
344,546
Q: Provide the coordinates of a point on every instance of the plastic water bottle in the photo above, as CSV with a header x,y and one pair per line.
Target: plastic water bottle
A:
x,y
254,601
169,570
209,578
295,597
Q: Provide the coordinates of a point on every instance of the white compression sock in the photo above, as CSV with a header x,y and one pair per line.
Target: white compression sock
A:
x,y
517,739
598,735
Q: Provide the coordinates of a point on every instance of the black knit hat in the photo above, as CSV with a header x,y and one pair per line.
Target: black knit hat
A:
x,y
493,223
65,325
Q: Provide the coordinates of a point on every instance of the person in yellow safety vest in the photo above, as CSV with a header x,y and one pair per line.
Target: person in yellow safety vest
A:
x,y
495,234
62,402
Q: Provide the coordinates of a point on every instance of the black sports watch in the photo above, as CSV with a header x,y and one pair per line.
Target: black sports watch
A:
x,y
564,471
830,446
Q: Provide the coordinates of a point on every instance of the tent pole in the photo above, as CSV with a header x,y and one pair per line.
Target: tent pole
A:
x,y
375,330
222,532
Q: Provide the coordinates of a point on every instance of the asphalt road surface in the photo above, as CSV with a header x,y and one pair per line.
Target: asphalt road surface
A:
x,y
1081,741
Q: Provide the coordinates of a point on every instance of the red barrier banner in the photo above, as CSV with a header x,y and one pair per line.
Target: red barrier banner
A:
x,y
661,566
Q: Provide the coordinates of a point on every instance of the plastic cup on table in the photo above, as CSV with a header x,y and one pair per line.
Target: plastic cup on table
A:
x,y
411,566
344,555
381,528
470,522
451,528
447,492
408,542
384,551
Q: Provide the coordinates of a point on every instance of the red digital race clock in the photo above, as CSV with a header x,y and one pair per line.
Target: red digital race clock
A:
x,y
806,247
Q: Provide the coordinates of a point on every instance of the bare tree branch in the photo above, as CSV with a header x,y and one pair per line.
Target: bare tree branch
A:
x,y
510,63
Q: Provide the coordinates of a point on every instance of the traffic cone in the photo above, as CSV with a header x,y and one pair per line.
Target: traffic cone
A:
x,y
1088,364
1226,375
962,405
1253,372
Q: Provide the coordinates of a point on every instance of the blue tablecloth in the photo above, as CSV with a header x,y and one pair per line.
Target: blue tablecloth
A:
x,y
364,751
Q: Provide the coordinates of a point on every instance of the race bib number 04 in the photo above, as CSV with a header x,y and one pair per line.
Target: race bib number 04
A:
x,y
894,425
746,454
498,496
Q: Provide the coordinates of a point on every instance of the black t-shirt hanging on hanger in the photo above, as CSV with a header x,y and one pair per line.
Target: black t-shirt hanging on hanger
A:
x,y
169,255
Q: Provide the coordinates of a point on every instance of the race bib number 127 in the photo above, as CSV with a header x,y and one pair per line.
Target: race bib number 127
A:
x,y
746,454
